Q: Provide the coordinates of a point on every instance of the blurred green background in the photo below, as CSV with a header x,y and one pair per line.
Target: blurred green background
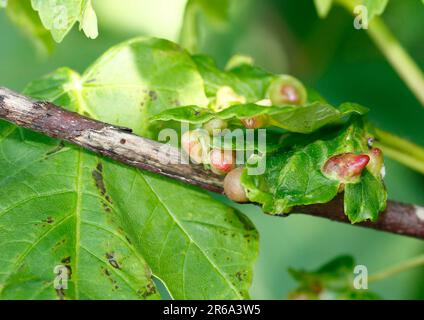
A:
x,y
282,36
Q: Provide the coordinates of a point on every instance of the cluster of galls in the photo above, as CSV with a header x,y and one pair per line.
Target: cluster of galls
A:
x,y
284,90
196,144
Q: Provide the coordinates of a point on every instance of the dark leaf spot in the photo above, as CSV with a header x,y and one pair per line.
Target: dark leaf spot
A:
x,y
49,220
128,239
59,147
58,244
106,207
60,294
153,95
109,276
241,275
69,268
66,260
108,198
111,258
100,185
106,272
98,179
147,291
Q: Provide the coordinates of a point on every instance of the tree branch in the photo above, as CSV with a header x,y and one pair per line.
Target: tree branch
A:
x,y
121,145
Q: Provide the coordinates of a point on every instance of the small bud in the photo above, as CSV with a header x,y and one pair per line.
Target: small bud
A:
x,y
287,90
195,144
233,188
215,126
222,161
226,97
345,167
375,165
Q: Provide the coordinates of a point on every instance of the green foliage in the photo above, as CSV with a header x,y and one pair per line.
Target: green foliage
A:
x,y
387,116
215,12
293,163
245,79
332,281
365,199
114,227
301,119
294,175
249,84
299,180
132,82
22,14
323,7
59,16
54,20
374,7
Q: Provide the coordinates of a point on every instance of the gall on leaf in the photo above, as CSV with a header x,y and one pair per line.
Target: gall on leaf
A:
x,y
287,90
233,188
215,126
196,144
375,165
345,167
222,161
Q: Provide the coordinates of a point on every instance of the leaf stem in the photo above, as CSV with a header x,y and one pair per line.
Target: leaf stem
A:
x,y
397,56
403,158
399,143
404,266
401,150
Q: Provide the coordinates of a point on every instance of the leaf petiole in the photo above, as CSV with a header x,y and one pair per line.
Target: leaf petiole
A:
x,y
397,56
404,266
394,52
401,150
